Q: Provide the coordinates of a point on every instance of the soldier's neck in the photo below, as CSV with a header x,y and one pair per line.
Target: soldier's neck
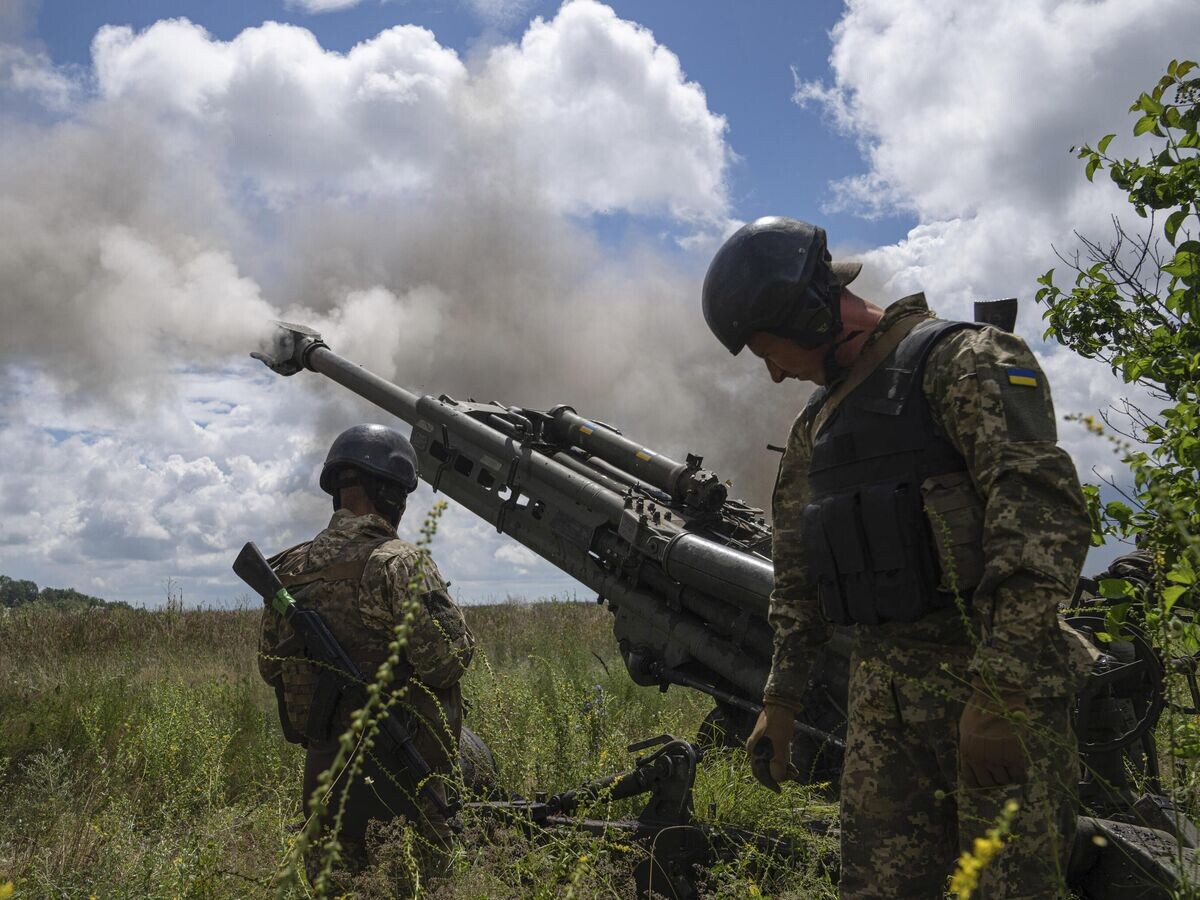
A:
x,y
859,318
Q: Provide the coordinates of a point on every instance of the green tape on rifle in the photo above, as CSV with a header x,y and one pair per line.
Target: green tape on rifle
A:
x,y
282,601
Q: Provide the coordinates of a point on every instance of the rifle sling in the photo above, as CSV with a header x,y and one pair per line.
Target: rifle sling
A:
x,y
868,361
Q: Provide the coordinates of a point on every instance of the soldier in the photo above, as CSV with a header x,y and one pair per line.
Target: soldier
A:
x,y
365,581
923,503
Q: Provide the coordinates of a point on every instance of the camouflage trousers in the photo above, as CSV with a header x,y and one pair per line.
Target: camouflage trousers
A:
x,y
905,819
378,796
383,792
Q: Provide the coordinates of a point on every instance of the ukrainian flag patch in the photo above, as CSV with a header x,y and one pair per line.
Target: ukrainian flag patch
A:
x,y
1023,377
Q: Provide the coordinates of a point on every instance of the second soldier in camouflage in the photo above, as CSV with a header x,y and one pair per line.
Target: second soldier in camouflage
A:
x,y
364,581
922,503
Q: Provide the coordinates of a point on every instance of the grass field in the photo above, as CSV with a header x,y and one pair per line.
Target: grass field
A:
x,y
140,756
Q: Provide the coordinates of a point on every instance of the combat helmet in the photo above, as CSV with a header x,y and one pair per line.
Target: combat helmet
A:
x,y
377,458
775,275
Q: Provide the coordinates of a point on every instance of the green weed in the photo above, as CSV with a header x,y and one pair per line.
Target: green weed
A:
x,y
140,757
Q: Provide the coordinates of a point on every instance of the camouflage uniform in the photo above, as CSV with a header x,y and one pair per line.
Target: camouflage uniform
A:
x,y
904,815
366,592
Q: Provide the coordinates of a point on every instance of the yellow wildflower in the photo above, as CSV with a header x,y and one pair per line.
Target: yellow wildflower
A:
x,y
6,890
965,879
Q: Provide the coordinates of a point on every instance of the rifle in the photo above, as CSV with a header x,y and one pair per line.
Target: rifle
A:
x,y
323,648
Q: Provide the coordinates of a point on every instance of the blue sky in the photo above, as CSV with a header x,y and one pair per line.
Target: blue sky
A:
x,y
520,206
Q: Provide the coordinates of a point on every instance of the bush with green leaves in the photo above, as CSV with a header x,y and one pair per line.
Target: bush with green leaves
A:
x,y
1134,304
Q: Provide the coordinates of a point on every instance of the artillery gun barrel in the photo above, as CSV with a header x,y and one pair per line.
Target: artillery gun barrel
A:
x,y
368,385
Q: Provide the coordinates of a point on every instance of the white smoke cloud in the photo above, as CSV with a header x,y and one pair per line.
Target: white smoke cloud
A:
x,y
965,113
29,77
430,217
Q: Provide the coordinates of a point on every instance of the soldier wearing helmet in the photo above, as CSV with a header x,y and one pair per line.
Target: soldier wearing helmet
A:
x,y
365,582
922,504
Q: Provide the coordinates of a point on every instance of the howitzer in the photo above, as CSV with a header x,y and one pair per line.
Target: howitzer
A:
x,y
686,572
684,569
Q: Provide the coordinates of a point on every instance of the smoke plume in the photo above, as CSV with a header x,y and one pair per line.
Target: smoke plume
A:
x,y
439,222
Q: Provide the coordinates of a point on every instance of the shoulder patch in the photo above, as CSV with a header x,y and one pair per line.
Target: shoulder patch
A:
x,y
1028,411
1022,377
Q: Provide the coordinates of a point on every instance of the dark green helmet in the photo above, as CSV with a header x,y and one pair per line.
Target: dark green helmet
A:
x,y
775,275
382,452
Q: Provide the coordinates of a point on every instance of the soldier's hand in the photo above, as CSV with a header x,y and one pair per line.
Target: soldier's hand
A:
x,y
990,752
770,743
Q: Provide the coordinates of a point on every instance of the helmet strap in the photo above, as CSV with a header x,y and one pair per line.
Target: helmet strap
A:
x,y
832,367
388,499
819,295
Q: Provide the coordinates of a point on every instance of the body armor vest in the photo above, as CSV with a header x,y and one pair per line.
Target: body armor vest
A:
x,y
312,707
879,463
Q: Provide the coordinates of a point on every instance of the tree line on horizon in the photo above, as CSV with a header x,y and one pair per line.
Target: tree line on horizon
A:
x,y
21,592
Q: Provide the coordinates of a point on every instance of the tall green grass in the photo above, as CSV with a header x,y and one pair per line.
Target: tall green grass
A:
x,y
140,757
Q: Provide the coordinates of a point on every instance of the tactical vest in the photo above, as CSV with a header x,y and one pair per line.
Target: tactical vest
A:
x,y
313,696
893,528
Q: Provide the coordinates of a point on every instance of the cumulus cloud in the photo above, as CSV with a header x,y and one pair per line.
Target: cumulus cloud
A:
x,y
522,558
589,111
965,114
164,494
432,218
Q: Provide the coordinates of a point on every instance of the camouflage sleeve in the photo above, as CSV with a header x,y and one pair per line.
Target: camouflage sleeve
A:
x,y
794,614
268,639
988,394
440,645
